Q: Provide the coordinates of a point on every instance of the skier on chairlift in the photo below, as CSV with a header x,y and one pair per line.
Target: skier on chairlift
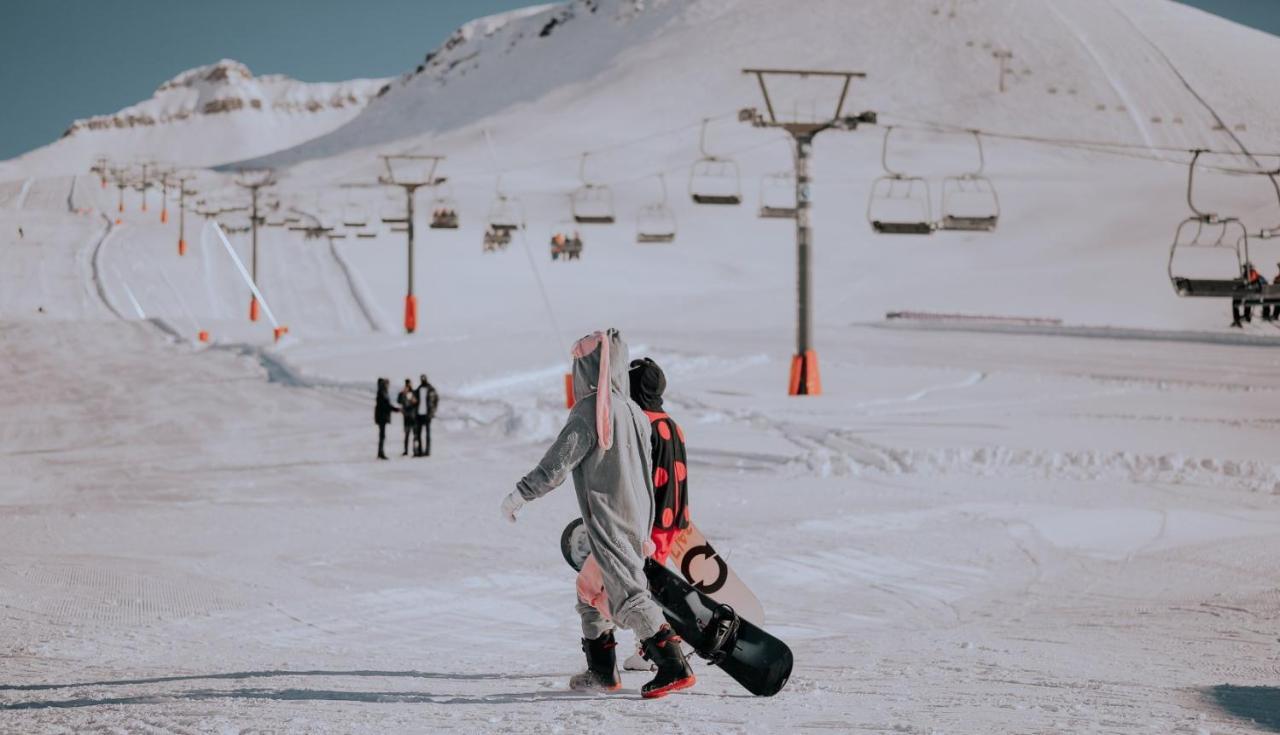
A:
x,y
1272,313
1253,280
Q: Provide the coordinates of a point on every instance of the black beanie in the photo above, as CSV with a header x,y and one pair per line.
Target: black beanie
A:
x,y
647,384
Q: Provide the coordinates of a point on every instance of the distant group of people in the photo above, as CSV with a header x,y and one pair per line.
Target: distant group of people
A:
x,y
1253,281
570,246
416,404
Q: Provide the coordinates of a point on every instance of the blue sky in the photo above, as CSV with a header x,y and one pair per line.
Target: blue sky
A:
x,y
65,59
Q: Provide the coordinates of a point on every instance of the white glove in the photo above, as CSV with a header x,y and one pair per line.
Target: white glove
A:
x,y
512,504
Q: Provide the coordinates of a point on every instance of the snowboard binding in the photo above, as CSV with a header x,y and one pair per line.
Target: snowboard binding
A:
x,y
720,633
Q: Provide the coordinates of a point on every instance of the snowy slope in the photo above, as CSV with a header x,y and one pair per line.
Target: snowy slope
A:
x,y
975,529
205,116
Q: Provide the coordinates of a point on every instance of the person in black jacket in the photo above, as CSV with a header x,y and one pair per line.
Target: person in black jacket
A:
x,y
670,471
427,399
409,409
382,410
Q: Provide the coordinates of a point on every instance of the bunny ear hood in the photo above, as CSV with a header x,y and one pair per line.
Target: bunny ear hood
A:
x,y
598,357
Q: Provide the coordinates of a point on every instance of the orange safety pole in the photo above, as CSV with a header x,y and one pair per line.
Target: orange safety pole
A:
x,y
568,390
279,332
203,336
253,308
410,313
806,380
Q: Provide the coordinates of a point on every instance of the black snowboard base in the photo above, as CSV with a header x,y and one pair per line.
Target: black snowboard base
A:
x,y
755,659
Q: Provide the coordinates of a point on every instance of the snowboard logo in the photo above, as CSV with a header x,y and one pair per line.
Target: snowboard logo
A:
x,y
704,551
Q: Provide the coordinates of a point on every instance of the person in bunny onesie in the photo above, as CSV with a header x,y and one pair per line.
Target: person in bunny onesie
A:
x,y
605,446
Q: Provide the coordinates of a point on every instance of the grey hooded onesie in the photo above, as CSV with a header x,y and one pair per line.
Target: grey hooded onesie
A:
x,y
613,483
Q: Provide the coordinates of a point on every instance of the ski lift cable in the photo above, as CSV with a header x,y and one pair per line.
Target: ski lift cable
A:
x,y
533,267
620,145
942,127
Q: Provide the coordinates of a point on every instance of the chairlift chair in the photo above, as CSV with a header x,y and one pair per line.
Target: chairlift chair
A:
x,y
591,204
778,196
656,223
1205,233
900,204
506,212
969,201
714,180
506,215
353,213
444,210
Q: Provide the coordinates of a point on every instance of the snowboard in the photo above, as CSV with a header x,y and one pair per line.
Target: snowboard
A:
x,y
758,661
755,659
696,559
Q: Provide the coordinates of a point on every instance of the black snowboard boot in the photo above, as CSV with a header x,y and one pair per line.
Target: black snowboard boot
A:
x,y
602,666
674,674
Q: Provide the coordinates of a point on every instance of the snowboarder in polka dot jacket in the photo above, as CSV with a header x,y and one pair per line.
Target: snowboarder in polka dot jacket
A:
x,y
670,474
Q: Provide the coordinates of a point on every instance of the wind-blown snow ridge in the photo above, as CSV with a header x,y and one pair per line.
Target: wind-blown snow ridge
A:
x,y
846,456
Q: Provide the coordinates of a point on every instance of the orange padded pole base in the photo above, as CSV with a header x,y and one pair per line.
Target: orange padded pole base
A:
x,y
253,309
410,313
568,390
279,332
203,336
164,216
182,246
805,378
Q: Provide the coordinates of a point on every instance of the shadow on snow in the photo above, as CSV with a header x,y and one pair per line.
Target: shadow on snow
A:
x,y
1260,704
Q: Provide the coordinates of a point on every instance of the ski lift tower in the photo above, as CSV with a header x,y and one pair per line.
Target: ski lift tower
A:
x,y
410,172
182,177
805,378
253,180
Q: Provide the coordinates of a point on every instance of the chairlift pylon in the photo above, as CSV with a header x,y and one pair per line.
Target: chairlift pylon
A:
x,y
656,223
900,204
712,179
778,195
969,200
591,204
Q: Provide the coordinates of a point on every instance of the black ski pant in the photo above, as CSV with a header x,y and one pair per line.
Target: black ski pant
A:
x,y
1236,313
382,440
408,432
422,437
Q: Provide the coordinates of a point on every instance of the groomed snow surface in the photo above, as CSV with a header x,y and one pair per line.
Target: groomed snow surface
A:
x,y
1062,521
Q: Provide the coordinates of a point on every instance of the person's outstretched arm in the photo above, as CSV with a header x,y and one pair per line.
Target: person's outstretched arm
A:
x,y
575,441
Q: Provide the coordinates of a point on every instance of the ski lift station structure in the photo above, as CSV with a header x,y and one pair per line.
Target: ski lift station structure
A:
x,y
590,203
712,179
656,223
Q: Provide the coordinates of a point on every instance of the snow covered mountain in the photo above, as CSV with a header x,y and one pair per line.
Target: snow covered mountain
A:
x,y
208,115
519,97
1102,68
